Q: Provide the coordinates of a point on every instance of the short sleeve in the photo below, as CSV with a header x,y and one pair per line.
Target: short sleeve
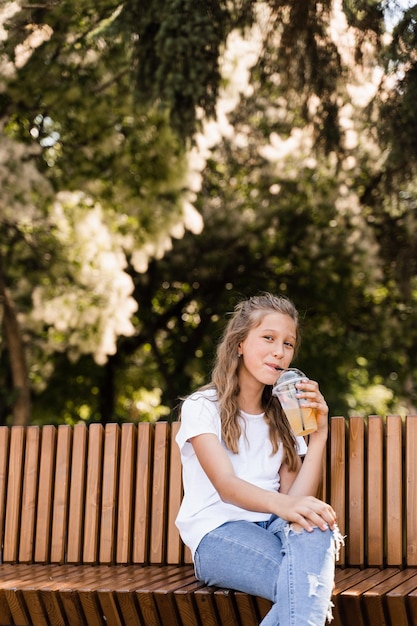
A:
x,y
199,415
301,446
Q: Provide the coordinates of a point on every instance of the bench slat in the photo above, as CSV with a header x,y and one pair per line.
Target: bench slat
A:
x,y
350,600
4,455
394,490
397,602
29,494
45,494
356,522
338,475
142,493
14,494
206,605
93,493
247,608
125,508
375,496
184,599
109,493
374,599
174,543
411,489
61,494
77,493
159,494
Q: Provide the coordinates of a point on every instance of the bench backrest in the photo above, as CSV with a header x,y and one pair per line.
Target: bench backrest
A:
x,y
90,494
371,481
111,494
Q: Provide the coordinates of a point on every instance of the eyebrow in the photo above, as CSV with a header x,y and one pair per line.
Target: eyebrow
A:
x,y
272,330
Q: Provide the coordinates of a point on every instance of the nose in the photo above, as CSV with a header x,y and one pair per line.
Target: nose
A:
x,y
277,351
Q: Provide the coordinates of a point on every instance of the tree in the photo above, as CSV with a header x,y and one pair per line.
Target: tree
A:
x,y
287,120
315,217
94,185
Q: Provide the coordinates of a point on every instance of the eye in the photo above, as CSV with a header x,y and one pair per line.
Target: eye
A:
x,y
289,344
268,337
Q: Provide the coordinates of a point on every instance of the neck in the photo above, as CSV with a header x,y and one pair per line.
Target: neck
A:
x,y
250,403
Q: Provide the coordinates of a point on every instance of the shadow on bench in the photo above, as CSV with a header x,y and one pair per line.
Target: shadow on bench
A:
x,y
87,533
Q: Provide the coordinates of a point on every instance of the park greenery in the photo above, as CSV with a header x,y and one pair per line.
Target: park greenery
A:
x,y
160,161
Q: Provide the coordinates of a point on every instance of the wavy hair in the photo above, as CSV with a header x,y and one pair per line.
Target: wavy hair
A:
x,y
247,315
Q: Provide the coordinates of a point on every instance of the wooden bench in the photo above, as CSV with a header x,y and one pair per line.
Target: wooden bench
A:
x,y
87,534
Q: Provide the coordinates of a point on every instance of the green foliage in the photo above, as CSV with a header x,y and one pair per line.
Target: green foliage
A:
x,y
305,190
176,59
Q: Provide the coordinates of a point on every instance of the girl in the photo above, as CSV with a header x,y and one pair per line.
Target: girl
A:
x,y
249,514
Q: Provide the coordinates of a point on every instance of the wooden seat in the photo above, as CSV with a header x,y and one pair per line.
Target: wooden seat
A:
x,y
88,536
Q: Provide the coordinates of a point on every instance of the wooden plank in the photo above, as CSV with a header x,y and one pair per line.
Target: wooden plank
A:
x,y
77,493
350,600
14,493
128,608
174,543
142,493
344,579
49,580
10,576
412,605
411,489
374,493
72,608
93,493
130,578
338,473
61,494
5,615
109,608
4,456
45,494
397,602
170,577
204,599
159,512
186,606
17,607
109,494
91,607
29,493
247,609
125,510
394,490
374,599
35,608
356,526
165,601
264,606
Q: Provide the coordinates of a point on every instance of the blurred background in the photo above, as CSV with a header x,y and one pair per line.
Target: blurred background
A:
x,y
162,160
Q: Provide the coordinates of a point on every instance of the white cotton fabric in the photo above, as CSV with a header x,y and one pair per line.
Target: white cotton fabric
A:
x,y
202,509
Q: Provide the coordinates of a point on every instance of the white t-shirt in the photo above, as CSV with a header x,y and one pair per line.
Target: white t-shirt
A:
x,y
202,509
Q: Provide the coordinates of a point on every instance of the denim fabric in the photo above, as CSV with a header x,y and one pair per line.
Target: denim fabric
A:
x,y
293,569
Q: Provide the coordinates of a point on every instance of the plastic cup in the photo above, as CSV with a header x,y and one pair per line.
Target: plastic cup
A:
x,y
302,419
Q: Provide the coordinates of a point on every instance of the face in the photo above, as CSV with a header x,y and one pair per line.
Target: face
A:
x,y
268,348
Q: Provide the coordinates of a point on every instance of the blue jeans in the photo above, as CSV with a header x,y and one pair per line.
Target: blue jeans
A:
x,y
293,569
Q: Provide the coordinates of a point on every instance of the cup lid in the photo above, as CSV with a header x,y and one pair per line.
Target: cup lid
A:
x,y
289,375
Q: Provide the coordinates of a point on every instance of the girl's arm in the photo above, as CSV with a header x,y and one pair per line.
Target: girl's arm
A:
x,y
307,511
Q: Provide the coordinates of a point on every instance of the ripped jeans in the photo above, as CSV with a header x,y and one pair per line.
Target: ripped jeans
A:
x,y
293,569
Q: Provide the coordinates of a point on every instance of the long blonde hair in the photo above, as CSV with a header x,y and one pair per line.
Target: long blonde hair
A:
x,y
247,315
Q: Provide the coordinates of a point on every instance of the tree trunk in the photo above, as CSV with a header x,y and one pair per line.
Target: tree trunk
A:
x,y
17,359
